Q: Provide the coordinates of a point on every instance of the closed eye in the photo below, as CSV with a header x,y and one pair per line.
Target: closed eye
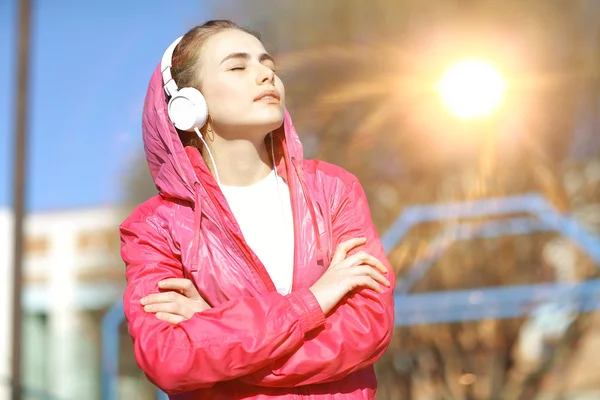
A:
x,y
238,68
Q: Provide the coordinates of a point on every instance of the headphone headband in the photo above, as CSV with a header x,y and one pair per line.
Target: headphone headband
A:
x,y
165,66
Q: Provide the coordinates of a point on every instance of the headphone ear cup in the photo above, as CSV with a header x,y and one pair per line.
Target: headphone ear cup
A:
x,y
188,109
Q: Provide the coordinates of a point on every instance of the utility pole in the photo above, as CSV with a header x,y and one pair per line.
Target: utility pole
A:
x,y
19,197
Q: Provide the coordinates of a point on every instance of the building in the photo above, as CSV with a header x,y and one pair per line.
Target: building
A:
x,y
72,274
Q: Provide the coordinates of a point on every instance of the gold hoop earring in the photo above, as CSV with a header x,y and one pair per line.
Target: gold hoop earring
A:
x,y
210,137
209,129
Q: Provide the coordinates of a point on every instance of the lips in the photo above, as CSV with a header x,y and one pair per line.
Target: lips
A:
x,y
268,96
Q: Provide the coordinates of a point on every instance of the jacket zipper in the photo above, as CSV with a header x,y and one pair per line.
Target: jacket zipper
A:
x,y
293,202
311,208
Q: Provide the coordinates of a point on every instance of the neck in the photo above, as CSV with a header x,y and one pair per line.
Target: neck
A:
x,y
240,162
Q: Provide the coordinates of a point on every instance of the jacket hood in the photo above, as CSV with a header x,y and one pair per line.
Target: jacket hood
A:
x,y
169,164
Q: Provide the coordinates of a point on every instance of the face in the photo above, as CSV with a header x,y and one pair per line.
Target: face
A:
x,y
240,86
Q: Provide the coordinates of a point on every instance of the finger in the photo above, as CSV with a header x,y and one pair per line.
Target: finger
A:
x,y
365,258
165,297
170,318
185,286
200,305
343,248
365,281
172,308
374,274
375,262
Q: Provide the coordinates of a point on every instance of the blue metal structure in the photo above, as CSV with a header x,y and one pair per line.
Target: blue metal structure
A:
x,y
465,231
484,303
110,350
494,303
450,306
531,203
481,303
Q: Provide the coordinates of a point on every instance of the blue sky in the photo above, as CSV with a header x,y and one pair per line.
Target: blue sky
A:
x,y
90,65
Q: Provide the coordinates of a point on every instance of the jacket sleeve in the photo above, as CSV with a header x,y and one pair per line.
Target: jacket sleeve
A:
x,y
233,339
358,332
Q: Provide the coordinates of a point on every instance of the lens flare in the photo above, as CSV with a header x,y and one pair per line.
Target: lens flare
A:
x,y
472,88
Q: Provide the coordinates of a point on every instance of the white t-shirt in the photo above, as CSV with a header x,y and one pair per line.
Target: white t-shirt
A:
x,y
264,214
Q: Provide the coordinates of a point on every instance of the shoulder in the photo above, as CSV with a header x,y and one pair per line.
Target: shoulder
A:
x,y
155,212
332,181
331,173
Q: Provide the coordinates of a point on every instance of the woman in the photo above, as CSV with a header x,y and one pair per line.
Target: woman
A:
x,y
254,273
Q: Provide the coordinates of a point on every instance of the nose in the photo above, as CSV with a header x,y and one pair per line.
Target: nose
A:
x,y
266,75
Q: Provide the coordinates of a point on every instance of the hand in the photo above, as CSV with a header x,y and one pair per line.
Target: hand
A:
x,y
346,274
177,304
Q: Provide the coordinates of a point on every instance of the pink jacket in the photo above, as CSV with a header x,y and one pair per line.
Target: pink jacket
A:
x,y
254,343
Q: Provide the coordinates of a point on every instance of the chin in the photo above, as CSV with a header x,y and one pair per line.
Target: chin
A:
x,y
271,120
256,122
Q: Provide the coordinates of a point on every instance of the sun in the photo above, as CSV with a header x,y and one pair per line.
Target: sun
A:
x,y
472,88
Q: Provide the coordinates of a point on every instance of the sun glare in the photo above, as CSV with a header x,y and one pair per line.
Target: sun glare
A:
x,y
472,88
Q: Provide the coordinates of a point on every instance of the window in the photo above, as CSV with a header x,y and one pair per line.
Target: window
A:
x,y
36,246
98,241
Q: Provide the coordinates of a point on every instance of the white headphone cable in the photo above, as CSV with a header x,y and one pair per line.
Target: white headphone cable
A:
x,y
210,155
277,178
212,159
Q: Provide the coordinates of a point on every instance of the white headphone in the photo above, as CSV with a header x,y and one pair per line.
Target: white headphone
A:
x,y
187,107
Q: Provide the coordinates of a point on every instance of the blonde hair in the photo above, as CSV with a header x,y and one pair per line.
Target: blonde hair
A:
x,y
186,57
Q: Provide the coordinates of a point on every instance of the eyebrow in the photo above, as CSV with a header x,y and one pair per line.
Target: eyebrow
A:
x,y
246,56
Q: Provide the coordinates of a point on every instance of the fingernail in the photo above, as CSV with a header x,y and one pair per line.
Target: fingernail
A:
x,y
161,283
143,300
